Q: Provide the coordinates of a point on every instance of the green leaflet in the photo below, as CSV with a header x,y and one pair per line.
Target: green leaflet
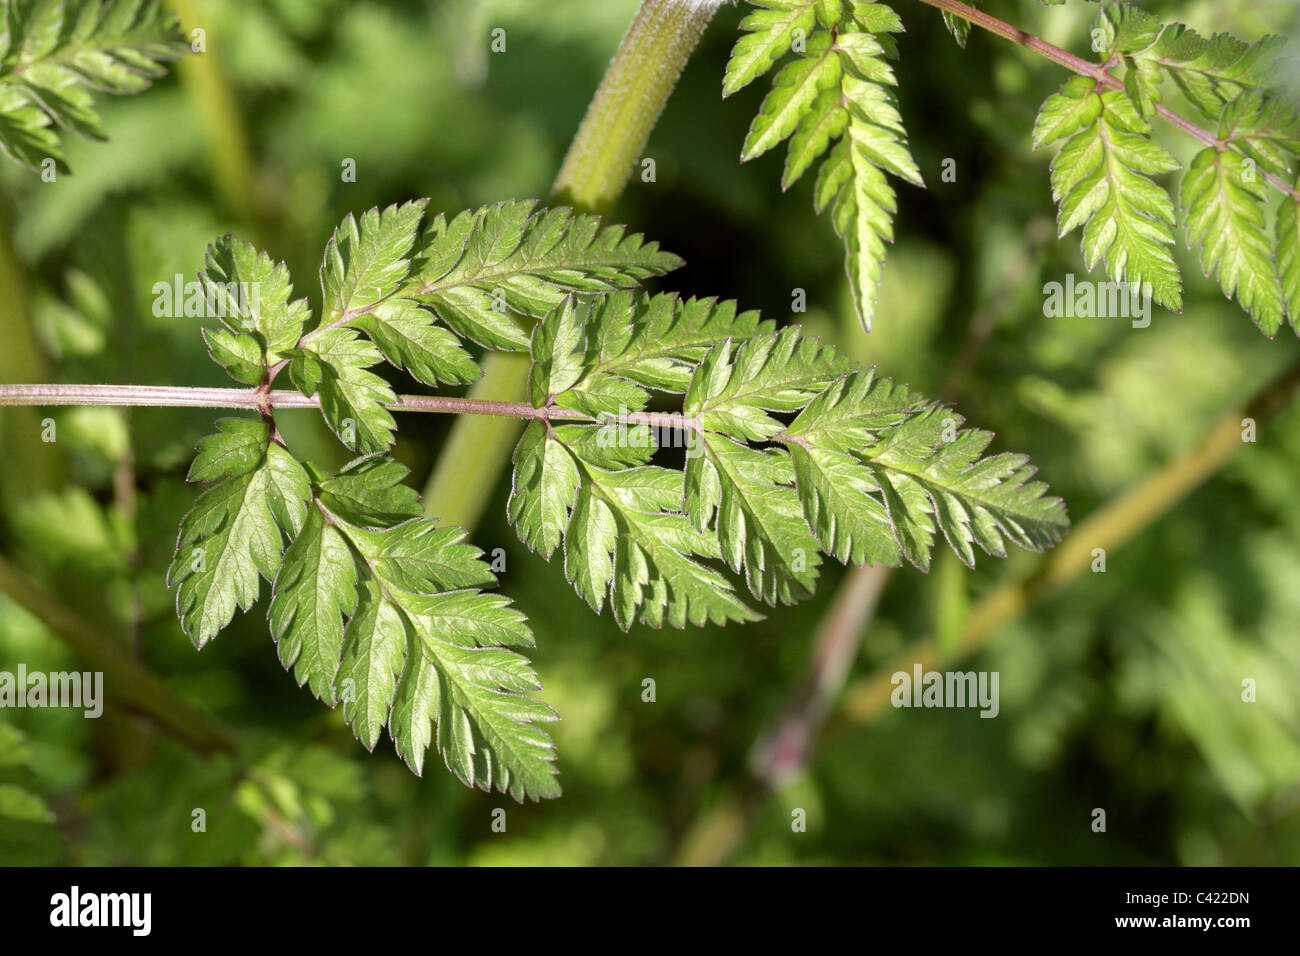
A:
x,y
369,492
545,482
371,605
959,27
771,32
627,538
53,53
1288,256
837,91
425,649
866,470
930,469
335,363
1224,214
314,591
432,354
252,297
1101,179
234,532
365,261
1267,129
759,522
482,265
734,388
633,345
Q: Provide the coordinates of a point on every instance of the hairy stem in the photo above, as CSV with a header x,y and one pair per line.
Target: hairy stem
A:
x,y
627,104
629,101
1097,71
185,396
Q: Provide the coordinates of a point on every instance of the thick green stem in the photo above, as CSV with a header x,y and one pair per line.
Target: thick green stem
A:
x,y
600,160
217,111
126,680
31,464
629,101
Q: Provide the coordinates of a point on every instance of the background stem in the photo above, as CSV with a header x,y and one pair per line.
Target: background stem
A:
x,y
627,104
126,681
206,84
629,101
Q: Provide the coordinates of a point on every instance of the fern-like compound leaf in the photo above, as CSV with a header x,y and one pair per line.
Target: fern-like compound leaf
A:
x,y
790,451
372,606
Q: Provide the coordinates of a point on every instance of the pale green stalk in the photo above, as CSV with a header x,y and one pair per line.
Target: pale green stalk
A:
x,y
600,160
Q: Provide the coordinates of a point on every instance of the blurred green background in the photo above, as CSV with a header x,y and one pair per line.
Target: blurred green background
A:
x,y
1122,691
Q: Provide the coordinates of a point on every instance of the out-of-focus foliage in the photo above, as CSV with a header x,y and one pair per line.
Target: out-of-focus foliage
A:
x,y
53,53
1123,691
